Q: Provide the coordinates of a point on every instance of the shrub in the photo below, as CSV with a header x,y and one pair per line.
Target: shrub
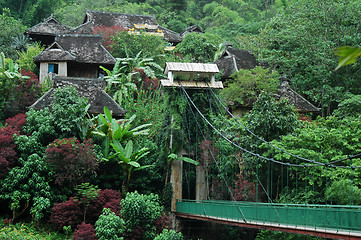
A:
x,y
27,186
17,122
70,213
40,125
107,198
162,223
84,232
141,210
8,156
69,111
245,190
27,91
169,235
109,226
129,45
71,160
66,214
108,33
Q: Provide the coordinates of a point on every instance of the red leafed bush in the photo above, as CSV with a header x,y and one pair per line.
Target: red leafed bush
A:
x,y
108,33
66,214
135,234
146,82
17,122
4,167
84,232
162,223
107,198
70,213
27,91
8,156
207,152
245,190
71,160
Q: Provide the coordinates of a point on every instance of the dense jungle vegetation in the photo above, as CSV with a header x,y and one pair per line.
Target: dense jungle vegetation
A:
x,y
65,174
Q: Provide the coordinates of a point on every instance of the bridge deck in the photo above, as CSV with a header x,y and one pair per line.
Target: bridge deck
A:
x,y
339,222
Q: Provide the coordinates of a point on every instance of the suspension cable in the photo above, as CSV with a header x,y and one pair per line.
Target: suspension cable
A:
x,y
274,146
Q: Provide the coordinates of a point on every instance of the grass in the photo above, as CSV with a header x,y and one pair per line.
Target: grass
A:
x,y
29,231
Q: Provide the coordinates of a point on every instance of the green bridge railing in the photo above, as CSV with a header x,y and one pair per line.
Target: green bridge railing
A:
x,y
337,217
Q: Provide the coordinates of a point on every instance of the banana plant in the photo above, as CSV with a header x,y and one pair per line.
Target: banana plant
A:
x,y
128,159
9,70
120,130
119,81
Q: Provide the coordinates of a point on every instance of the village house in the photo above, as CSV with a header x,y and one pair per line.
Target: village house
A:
x,y
74,55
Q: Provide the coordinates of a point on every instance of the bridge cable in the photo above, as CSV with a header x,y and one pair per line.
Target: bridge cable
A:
x,y
272,145
260,156
215,161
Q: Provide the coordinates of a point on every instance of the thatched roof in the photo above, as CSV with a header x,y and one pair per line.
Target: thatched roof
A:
x,y
302,105
170,35
95,19
233,59
178,67
50,26
92,89
192,29
76,47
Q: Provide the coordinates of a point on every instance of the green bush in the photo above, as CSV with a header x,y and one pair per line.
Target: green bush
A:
x,y
29,231
140,210
169,235
109,226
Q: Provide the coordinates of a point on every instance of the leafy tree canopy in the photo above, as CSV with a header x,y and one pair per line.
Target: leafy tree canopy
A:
x,y
300,42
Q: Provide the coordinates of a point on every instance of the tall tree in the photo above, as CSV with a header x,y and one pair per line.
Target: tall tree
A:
x,y
300,42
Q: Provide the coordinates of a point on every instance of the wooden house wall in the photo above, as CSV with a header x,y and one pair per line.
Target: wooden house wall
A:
x,y
83,70
44,70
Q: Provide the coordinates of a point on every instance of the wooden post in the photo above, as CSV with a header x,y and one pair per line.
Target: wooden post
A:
x,y
170,76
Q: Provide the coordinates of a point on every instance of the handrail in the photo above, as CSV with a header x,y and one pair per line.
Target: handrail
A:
x,y
271,204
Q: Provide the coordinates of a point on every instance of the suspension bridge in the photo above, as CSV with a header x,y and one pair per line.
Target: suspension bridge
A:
x,y
327,221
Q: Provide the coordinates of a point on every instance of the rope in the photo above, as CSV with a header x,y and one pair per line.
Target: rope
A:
x,y
280,149
216,163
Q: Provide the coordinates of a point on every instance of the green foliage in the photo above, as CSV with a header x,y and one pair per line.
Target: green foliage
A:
x,y
169,235
141,210
26,59
67,119
347,55
27,186
350,107
245,85
265,235
86,193
343,192
69,111
39,127
119,83
129,45
109,226
109,129
323,140
9,73
301,43
29,231
128,158
10,28
21,43
270,119
200,47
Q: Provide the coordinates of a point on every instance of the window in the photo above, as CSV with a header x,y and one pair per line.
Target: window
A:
x,y
53,68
